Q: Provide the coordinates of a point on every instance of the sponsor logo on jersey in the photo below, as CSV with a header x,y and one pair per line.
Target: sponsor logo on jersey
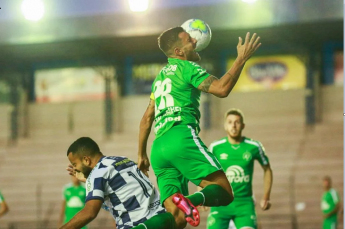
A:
x,y
154,204
324,205
224,156
88,185
75,202
247,156
235,174
170,69
166,120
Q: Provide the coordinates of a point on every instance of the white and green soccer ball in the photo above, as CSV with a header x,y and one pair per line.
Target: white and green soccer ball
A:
x,y
199,30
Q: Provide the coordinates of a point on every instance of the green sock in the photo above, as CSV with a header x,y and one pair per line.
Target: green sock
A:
x,y
197,198
164,221
212,195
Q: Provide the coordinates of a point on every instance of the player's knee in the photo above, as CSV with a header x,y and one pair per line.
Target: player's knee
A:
x,y
227,195
230,198
227,199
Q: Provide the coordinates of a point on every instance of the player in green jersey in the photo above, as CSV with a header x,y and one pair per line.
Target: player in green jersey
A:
x,y
3,206
73,200
237,154
178,155
330,205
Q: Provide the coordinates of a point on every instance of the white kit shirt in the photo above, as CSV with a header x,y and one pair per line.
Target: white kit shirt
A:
x,y
125,191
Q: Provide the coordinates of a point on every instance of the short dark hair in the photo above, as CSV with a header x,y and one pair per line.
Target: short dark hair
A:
x,y
327,178
168,38
234,111
84,146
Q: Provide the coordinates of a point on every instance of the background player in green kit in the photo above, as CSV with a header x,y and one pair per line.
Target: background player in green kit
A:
x,y
73,200
237,154
178,155
330,205
3,206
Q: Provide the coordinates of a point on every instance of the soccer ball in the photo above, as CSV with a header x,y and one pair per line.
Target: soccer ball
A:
x,y
199,30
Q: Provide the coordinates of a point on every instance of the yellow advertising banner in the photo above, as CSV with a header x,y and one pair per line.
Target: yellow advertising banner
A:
x,y
271,72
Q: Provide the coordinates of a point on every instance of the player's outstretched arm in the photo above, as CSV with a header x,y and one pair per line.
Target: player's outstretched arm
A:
x,y
85,216
268,180
62,213
334,211
223,86
3,208
144,133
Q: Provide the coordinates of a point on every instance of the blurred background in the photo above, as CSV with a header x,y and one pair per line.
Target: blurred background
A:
x,y
85,68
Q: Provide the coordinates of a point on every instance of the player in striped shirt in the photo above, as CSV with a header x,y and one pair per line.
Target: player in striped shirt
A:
x,y
237,154
117,185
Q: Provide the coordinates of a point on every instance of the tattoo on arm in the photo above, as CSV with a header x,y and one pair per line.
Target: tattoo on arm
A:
x,y
151,107
205,85
151,103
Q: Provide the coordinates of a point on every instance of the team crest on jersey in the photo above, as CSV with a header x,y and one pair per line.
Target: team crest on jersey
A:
x,y
247,156
223,156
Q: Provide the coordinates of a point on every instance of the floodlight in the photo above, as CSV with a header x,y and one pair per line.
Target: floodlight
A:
x,y
33,10
138,5
249,1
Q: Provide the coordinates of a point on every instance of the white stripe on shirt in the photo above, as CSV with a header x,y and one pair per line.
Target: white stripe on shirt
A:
x,y
261,151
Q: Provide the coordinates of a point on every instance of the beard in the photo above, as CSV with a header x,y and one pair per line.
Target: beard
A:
x,y
235,134
194,56
86,170
191,55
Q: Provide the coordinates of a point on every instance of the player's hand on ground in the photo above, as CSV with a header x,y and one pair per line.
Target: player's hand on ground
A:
x,y
79,175
265,205
246,50
144,165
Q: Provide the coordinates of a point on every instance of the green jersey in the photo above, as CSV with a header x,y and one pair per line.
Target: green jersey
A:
x,y
176,96
75,200
1,198
237,161
329,200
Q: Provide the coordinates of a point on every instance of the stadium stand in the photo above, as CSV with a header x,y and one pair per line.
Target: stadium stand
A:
x,y
33,172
